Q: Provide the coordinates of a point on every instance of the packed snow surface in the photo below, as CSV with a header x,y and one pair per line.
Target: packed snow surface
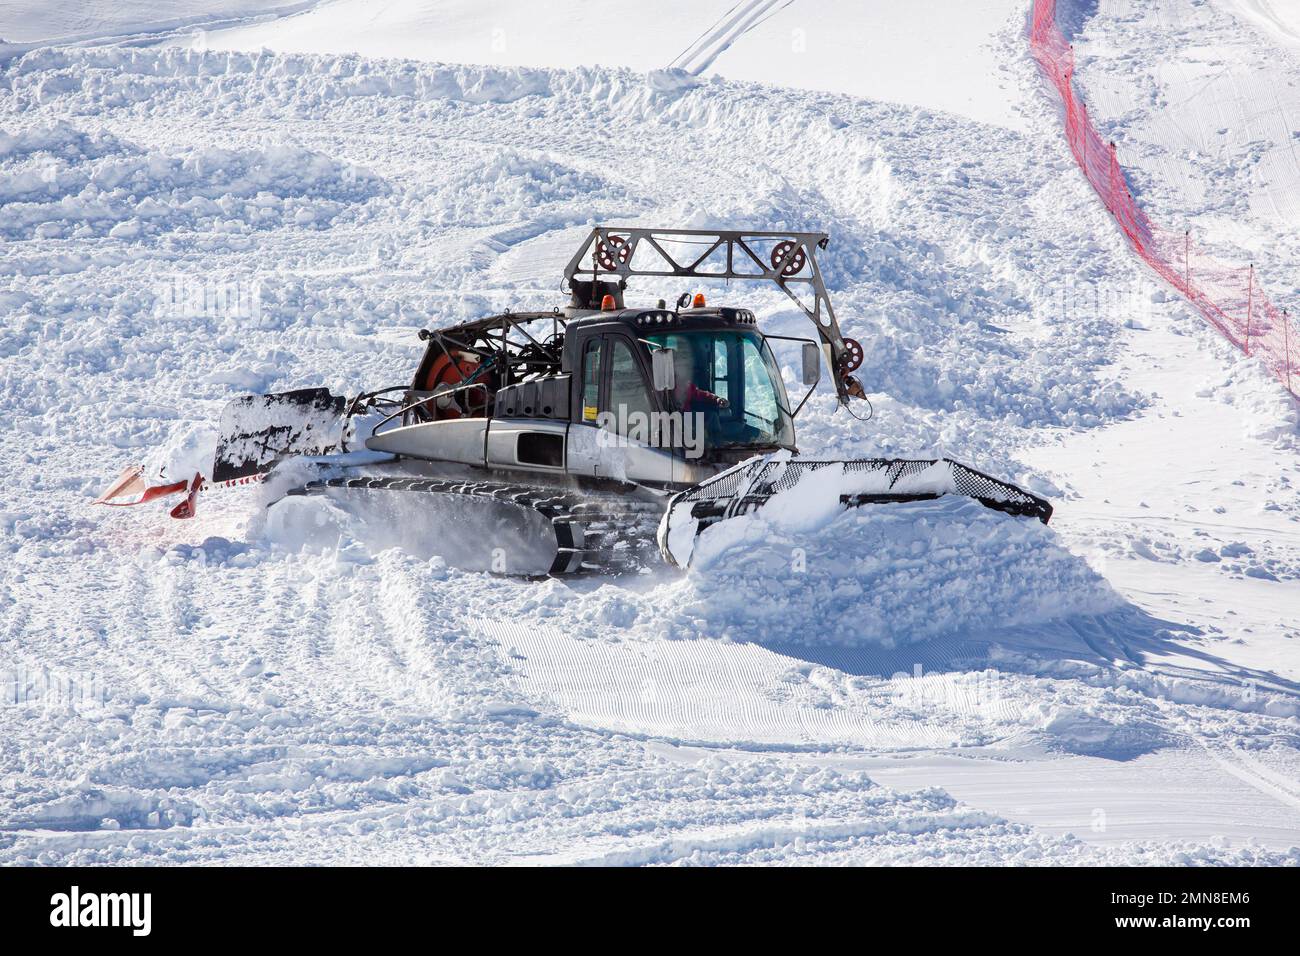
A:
x,y
930,682
1202,99
41,23
941,55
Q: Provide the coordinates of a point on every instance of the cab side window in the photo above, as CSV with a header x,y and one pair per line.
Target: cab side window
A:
x,y
629,401
591,380
720,380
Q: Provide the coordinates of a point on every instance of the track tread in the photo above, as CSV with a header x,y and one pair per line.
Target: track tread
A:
x,y
593,536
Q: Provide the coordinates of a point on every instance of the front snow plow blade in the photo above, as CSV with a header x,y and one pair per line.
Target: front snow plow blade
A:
x,y
258,430
865,481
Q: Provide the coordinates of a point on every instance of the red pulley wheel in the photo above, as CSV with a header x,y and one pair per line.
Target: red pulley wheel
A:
x,y
612,252
796,263
851,357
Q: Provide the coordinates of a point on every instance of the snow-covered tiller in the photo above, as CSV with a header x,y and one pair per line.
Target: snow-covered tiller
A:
x,y
595,424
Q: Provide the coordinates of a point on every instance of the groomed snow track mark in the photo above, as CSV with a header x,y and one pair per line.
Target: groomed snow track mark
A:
x,y
1228,296
730,27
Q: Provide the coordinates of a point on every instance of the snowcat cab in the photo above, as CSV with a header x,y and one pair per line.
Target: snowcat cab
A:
x,y
670,396
656,396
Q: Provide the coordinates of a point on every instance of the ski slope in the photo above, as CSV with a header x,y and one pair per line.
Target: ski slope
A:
x,y
1209,124
935,684
32,23
944,56
1281,20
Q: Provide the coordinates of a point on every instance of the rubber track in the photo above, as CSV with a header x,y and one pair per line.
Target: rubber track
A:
x,y
602,534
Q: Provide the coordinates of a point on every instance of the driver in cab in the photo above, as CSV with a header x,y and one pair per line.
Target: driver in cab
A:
x,y
690,397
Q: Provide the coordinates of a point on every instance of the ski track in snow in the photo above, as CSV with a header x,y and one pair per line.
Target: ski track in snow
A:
x,y
270,704
731,26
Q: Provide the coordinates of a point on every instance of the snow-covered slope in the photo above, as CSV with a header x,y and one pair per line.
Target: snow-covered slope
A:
x,y
1280,18
37,22
926,683
1203,100
944,56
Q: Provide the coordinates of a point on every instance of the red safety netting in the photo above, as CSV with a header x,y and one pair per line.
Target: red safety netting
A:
x,y
1228,296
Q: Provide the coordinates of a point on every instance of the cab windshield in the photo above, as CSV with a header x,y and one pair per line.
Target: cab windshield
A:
x,y
731,378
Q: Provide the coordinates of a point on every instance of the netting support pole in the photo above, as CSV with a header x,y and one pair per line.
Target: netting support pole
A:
x,y
1114,179
1250,296
1187,261
1286,346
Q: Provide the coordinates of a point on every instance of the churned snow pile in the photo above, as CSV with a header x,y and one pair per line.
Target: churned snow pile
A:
x,y
60,181
887,574
924,682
